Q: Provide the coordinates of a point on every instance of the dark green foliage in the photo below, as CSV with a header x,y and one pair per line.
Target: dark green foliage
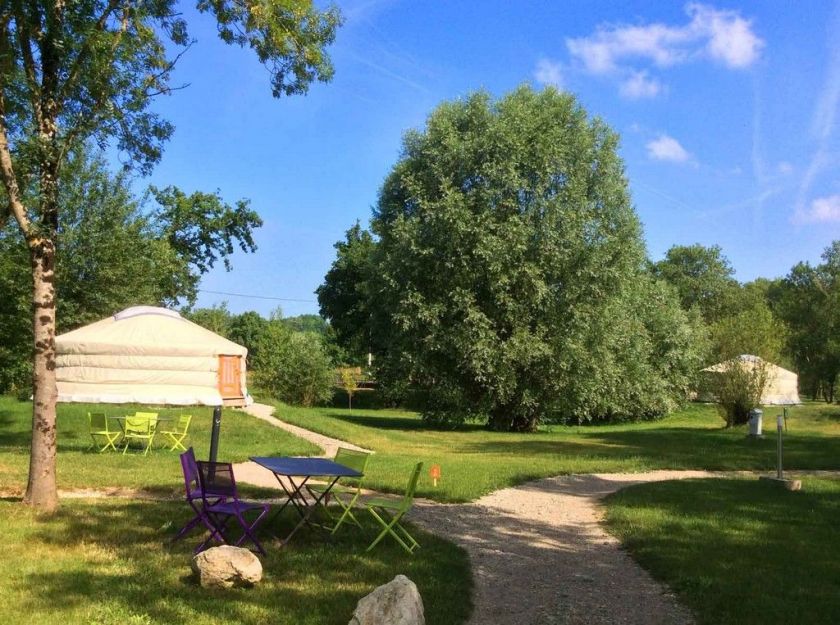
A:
x,y
307,323
202,228
246,329
808,299
510,273
703,278
345,296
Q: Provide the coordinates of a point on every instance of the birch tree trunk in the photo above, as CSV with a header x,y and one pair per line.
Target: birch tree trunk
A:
x,y
41,490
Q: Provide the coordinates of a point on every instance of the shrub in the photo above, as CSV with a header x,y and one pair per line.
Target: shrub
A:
x,y
293,366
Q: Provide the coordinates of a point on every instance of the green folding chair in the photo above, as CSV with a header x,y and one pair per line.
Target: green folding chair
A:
x,y
389,513
178,433
100,430
141,428
346,494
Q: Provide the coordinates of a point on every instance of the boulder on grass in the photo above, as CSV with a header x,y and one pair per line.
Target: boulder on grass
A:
x,y
396,603
226,567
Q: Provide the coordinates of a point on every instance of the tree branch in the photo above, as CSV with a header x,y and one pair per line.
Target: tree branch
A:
x,y
24,37
7,172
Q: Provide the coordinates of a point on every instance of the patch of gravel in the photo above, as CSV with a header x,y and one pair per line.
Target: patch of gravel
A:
x,y
540,555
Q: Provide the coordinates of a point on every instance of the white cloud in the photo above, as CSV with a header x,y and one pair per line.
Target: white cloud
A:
x,y
784,168
640,85
720,35
665,148
549,72
822,210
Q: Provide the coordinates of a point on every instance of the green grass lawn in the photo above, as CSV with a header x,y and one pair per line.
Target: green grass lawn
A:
x,y
106,562
475,461
738,551
79,467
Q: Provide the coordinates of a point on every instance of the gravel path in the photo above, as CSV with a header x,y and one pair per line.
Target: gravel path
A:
x,y
541,557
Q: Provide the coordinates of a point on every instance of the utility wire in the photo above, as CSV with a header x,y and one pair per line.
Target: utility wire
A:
x,y
276,299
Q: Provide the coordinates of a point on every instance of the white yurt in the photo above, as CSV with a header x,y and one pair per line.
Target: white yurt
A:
x,y
782,385
150,355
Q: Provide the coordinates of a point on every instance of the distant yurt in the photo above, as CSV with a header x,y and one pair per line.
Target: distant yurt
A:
x,y
782,385
150,355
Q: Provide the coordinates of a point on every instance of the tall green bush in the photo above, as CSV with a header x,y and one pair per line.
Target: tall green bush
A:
x,y
293,366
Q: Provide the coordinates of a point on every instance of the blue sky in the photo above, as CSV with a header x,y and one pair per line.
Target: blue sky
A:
x,y
728,114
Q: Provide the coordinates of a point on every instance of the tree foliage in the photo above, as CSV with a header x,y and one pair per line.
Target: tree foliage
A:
x,y
87,71
510,278
344,297
703,278
808,299
293,366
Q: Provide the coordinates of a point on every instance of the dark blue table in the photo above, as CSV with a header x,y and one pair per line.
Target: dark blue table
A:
x,y
303,469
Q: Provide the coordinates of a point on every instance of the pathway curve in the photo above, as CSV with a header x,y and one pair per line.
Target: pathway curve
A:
x,y
252,473
540,555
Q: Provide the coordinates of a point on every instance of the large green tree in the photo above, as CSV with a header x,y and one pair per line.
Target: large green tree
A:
x,y
703,277
510,272
809,302
72,72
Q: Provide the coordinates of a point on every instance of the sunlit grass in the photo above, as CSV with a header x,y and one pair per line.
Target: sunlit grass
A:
x,y
738,551
80,467
109,562
475,461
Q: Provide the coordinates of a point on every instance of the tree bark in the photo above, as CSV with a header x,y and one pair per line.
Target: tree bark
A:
x,y
41,490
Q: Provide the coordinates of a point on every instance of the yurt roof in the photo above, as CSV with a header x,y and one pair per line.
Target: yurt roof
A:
x,y
146,331
751,361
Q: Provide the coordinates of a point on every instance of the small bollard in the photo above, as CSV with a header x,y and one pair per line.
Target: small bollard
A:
x,y
780,478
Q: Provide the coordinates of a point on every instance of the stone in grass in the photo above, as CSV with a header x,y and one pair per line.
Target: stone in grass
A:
x,y
227,567
396,603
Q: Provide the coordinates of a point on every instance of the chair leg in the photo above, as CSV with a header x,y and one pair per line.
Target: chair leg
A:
x,y
177,441
348,512
388,529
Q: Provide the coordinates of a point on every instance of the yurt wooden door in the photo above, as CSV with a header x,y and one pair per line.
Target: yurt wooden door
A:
x,y
230,383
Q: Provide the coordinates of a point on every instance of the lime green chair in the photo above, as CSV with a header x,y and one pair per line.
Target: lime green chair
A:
x,y
102,430
141,428
178,433
388,514
346,493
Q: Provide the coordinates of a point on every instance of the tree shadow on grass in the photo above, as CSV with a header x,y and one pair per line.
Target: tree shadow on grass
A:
x,y
115,560
679,448
407,424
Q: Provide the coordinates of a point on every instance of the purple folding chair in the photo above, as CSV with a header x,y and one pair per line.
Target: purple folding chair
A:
x,y
195,495
221,505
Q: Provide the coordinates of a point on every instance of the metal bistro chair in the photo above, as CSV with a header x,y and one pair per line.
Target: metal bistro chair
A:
x,y
194,494
221,504
141,428
178,432
100,430
356,460
389,513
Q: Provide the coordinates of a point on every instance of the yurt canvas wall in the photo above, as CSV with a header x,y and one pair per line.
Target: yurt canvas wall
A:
x,y
150,355
782,385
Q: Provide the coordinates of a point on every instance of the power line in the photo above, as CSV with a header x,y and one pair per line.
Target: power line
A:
x,y
276,299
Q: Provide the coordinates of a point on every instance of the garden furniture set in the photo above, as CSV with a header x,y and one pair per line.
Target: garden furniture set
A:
x,y
213,497
107,432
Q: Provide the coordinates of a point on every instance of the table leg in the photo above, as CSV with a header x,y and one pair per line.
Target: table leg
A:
x,y
309,510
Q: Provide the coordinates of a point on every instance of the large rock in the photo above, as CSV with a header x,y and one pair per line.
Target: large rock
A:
x,y
396,603
226,567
